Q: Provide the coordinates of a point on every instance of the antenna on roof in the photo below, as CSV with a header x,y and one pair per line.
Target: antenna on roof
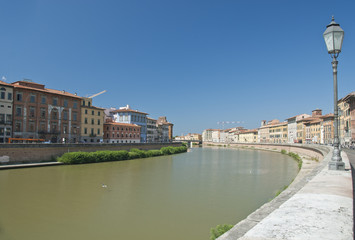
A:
x,y
27,80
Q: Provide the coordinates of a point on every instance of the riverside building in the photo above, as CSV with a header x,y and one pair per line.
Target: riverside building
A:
x,y
130,116
42,113
121,133
92,122
6,108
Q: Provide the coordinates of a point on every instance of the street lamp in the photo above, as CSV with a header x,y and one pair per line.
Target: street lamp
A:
x,y
333,37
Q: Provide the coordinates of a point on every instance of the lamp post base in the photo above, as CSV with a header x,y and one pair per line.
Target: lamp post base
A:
x,y
336,165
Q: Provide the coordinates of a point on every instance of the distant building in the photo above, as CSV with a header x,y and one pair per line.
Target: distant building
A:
x,y
130,116
6,108
292,127
327,129
152,130
121,133
248,136
165,130
264,130
207,135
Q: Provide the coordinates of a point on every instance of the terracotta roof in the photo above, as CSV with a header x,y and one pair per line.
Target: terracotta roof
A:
x,y
127,110
6,84
46,90
329,115
122,124
250,131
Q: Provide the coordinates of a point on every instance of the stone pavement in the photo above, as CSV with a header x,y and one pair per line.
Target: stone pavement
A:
x,y
321,209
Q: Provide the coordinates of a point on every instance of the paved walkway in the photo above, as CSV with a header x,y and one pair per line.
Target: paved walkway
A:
x,y
321,209
29,165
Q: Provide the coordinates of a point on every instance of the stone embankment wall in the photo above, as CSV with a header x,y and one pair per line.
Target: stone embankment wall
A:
x,y
28,153
300,149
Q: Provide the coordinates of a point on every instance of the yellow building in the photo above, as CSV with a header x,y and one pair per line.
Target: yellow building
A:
x,y
92,122
327,129
278,133
248,136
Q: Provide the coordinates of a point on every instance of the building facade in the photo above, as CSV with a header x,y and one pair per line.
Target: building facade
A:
x,y
130,116
41,113
347,120
92,122
152,130
121,133
6,110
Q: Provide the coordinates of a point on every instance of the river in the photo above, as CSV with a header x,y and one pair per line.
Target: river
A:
x,y
170,197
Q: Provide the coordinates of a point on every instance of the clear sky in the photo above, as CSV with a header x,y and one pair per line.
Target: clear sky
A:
x,y
198,62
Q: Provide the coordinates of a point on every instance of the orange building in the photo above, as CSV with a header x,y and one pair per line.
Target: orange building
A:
x,y
42,113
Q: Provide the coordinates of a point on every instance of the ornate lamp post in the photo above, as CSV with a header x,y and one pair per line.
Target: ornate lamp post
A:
x,y
333,37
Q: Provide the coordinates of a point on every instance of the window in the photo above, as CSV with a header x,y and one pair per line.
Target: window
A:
x,y
75,105
31,125
92,131
54,127
92,121
2,118
32,111
65,129
43,112
98,122
42,127
98,131
93,112
85,131
32,98
75,116
18,111
55,101
9,96
2,95
86,111
19,97
65,115
89,103
43,100
8,131
54,114
86,121
83,102
8,118
65,103
17,126
99,113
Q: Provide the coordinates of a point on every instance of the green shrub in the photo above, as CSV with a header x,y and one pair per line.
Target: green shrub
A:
x,y
154,153
133,155
283,151
141,153
106,156
219,230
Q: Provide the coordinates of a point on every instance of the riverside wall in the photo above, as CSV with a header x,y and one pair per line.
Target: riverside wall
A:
x,y
318,204
32,153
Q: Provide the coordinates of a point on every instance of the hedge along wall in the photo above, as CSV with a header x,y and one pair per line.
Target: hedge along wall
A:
x,y
26,153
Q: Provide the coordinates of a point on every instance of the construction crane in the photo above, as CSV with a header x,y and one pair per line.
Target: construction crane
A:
x,y
229,122
97,94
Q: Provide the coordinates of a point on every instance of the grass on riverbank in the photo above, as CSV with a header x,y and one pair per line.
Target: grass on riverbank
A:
x,y
109,156
219,230
294,156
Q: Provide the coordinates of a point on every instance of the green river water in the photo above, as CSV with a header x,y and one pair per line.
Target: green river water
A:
x,y
163,198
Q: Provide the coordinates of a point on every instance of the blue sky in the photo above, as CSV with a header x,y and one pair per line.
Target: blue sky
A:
x,y
196,62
